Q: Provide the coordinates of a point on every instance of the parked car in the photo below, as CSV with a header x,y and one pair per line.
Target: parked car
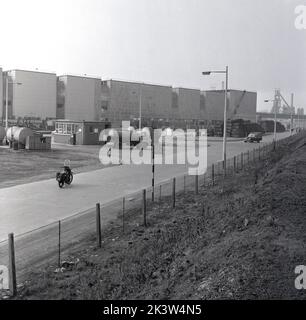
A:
x,y
254,137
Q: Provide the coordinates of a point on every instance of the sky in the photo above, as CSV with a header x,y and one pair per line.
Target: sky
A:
x,y
161,41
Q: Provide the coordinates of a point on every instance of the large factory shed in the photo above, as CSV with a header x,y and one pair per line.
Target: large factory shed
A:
x,y
186,104
241,105
31,94
78,132
78,98
122,101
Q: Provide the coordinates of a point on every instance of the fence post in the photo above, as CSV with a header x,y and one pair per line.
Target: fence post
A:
x,y
242,161
123,212
235,164
184,183
98,225
160,195
144,206
153,172
12,266
213,174
196,184
258,152
59,243
173,193
248,157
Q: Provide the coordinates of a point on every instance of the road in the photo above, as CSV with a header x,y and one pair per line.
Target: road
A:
x,y
29,206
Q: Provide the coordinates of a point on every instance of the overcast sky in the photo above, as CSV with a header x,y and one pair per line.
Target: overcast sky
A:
x,y
161,41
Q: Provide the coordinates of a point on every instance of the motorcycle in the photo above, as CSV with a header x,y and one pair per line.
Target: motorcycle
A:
x,y
64,177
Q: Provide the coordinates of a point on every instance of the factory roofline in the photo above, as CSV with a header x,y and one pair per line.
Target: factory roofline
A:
x,y
85,76
229,90
32,71
138,82
184,88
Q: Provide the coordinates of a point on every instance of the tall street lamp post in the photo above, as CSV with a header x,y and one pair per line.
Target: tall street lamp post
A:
x,y
140,104
207,73
274,103
291,114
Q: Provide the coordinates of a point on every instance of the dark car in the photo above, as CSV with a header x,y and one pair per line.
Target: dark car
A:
x,y
254,137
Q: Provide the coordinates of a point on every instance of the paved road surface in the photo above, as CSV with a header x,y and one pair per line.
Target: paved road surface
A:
x,y
29,206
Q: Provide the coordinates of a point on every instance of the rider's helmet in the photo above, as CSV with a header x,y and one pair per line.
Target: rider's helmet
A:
x,y
67,163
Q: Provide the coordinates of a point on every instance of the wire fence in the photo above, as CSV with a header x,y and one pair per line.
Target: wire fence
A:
x,y
50,245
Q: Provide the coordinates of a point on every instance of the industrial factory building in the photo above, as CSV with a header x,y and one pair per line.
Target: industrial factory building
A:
x,y
31,94
123,100
78,98
241,105
186,104
43,95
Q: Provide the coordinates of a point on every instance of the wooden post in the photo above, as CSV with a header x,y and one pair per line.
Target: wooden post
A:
x,y
196,184
235,164
258,152
12,266
173,193
98,225
213,174
123,212
184,183
59,244
144,206
160,195
248,157
153,171
241,160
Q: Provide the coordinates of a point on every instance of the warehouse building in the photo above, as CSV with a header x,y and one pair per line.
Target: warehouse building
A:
x,y
78,98
241,105
186,104
31,94
121,100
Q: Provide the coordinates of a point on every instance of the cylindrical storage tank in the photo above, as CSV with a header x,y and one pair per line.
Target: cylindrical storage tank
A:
x,y
19,134
2,134
10,132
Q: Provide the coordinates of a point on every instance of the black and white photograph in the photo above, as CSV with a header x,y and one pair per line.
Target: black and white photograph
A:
x,y
153,152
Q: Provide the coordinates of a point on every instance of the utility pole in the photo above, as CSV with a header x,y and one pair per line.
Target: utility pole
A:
x,y
140,104
225,118
6,103
207,73
291,114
